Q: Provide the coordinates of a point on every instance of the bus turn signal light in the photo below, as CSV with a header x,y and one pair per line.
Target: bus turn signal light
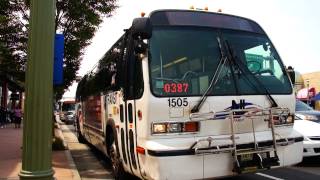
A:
x,y
139,115
140,150
191,127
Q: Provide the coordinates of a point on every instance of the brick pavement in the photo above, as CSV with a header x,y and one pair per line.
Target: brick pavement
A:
x,y
11,153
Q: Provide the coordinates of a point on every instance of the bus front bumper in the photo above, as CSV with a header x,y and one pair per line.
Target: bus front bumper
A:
x,y
200,163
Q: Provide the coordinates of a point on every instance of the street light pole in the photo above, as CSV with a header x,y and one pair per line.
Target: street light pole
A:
x,y
37,136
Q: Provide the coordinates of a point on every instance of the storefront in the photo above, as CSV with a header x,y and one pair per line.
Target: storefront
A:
x,y
312,80
11,92
306,95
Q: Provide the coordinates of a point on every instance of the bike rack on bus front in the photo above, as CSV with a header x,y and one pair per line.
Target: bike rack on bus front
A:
x,y
256,152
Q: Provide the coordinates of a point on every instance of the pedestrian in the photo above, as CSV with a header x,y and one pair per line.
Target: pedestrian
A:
x,y
2,117
17,117
11,115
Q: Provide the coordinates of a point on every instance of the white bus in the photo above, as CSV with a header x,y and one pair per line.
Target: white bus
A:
x,y
67,110
189,94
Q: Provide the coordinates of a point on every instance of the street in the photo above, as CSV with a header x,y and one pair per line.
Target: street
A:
x,y
92,164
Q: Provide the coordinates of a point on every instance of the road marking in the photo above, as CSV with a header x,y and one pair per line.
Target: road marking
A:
x,y
268,176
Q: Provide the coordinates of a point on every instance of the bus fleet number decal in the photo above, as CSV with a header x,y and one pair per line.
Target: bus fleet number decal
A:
x,y
178,102
111,98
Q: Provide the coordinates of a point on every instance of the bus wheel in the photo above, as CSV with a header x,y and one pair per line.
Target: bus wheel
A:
x,y
118,171
79,134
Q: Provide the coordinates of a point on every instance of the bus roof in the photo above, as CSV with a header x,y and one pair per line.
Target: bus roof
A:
x,y
67,100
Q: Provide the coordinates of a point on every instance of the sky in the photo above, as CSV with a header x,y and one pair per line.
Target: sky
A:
x,y
292,25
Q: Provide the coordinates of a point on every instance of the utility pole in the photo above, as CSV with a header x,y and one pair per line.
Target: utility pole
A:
x,y
37,133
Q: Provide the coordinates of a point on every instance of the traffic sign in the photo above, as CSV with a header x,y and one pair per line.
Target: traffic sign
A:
x,y
58,59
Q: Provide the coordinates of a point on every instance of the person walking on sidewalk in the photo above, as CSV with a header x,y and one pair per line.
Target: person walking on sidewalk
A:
x,y
2,117
17,117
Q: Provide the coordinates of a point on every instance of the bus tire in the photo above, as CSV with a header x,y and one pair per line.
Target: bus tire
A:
x,y
117,168
80,137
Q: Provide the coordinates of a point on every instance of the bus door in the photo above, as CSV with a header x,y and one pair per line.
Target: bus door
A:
x,y
131,132
127,133
118,105
132,91
122,133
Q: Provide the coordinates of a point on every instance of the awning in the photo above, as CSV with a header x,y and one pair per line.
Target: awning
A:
x,y
316,97
303,93
13,85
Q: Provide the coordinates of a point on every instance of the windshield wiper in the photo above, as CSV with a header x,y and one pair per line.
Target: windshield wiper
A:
x,y
246,71
214,79
229,56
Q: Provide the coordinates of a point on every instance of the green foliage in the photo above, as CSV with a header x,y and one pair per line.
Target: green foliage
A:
x,y
78,20
13,39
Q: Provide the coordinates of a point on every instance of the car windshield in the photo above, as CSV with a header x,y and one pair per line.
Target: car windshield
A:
x,y
301,106
184,60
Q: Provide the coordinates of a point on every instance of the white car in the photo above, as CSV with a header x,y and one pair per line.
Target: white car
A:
x,y
311,132
70,117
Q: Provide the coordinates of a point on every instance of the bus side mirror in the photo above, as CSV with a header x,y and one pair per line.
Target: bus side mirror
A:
x,y
141,28
291,74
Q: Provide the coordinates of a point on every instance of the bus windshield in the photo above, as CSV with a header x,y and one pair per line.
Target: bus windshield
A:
x,y
68,107
183,61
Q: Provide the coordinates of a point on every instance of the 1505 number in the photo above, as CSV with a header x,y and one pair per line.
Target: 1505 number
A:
x,y
178,102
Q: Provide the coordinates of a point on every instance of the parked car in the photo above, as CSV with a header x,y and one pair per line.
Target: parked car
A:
x,y
305,112
311,133
70,117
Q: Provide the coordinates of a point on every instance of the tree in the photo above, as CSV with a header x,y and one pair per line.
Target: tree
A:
x,y
78,20
13,40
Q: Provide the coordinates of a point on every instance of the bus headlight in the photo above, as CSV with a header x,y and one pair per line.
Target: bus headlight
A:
x,y
175,127
283,119
290,119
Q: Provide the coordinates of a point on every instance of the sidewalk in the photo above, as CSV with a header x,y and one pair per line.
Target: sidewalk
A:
x,y
11,154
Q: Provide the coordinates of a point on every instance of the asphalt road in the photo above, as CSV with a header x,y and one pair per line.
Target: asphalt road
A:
x,y
92,164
